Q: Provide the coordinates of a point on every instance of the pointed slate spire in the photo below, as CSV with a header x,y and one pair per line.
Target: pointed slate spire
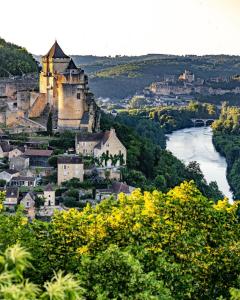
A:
x,y
71,65
56,52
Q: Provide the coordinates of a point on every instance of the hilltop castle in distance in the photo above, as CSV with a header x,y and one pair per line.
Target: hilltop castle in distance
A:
x,y
64,88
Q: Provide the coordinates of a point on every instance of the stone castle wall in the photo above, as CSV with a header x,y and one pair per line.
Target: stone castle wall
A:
x,y
38,106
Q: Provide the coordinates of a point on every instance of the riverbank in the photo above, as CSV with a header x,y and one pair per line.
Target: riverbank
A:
x,y
195,144
228,145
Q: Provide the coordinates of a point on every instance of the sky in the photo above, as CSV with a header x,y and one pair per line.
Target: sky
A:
x,y
123,27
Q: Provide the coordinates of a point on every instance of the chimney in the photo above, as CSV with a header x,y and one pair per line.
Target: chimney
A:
x,y
112,131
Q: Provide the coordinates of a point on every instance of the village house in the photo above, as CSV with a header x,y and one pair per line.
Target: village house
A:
x,y
49,196
28,202
15,153
38,157
23,181
11,199
7,175
19,163
115,189
105,145
70,167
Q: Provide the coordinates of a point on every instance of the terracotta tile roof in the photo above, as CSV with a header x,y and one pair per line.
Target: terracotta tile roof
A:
x,y
69,160
38,152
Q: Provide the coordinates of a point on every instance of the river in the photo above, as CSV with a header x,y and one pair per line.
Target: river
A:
x,y
195,144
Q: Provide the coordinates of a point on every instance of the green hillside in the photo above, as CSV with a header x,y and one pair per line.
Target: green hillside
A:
x,y
122,76
15,60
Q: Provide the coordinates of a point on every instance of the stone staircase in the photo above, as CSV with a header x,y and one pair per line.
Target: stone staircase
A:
x,y
38,106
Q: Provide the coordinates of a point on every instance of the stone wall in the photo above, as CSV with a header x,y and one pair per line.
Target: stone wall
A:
x,y
69,171
38,106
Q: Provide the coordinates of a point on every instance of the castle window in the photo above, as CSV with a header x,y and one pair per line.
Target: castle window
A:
x,y
78,96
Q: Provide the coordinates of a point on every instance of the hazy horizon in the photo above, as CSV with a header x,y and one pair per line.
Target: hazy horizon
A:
x,y
126,27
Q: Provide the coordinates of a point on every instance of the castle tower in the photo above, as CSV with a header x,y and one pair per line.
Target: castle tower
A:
x,y
53,63
66,89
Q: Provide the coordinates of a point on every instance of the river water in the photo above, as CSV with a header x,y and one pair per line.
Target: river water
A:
x,y
195,144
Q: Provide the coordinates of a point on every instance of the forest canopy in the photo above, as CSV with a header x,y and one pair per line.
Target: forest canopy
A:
x,y
15,60
151,245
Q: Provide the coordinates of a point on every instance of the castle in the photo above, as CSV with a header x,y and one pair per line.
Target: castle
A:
x,y
63,94
65,89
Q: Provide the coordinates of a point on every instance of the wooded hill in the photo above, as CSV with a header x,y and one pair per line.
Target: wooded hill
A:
x,y
15,60
120,77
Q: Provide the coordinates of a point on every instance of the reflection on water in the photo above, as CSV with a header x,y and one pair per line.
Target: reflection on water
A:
x,y
195,144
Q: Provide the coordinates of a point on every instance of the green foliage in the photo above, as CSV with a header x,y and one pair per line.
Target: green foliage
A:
x,y
50,124
140,246
146,157
13,285
117,274
226,140
53,161
121,77
2,182
174,118
63,141
15,60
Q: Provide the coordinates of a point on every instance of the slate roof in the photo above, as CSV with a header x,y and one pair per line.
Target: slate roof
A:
x,y
6,147
72,66
38,152
9,171
12,192
56,52
69,160
23,178
93,137
85,118
116,188
48,188
120,187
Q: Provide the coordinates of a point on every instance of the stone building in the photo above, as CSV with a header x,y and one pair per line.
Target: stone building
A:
x,y
7,175
15,152
70,167
23,181
19,163
49,196
38,157
12,194
66,92
97,144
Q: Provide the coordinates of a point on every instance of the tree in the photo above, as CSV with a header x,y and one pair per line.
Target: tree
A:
x,y
2,183
116,274
50,124
53,161
13,285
